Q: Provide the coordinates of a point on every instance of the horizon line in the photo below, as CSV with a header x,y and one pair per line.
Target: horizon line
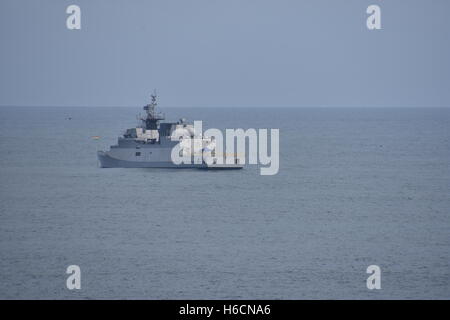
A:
x,y
222,107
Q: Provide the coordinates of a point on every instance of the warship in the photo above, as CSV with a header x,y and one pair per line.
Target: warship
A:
x,y
150,145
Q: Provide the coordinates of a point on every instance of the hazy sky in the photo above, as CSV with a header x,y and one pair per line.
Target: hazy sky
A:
x,y
213,53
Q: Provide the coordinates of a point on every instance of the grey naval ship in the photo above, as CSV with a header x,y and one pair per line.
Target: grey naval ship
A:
x,y
150,145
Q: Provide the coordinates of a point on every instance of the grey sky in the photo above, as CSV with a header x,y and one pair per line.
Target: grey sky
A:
x,y
214,53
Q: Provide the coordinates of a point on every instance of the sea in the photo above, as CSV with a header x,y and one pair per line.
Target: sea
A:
x,y
356,187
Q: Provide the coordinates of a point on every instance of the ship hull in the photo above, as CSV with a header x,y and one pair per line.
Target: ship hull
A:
x,y
107,161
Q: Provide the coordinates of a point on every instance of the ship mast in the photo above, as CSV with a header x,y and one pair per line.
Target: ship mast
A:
x,y
153,116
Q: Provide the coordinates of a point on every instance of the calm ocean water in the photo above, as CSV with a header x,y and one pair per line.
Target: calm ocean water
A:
x,y
356,187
